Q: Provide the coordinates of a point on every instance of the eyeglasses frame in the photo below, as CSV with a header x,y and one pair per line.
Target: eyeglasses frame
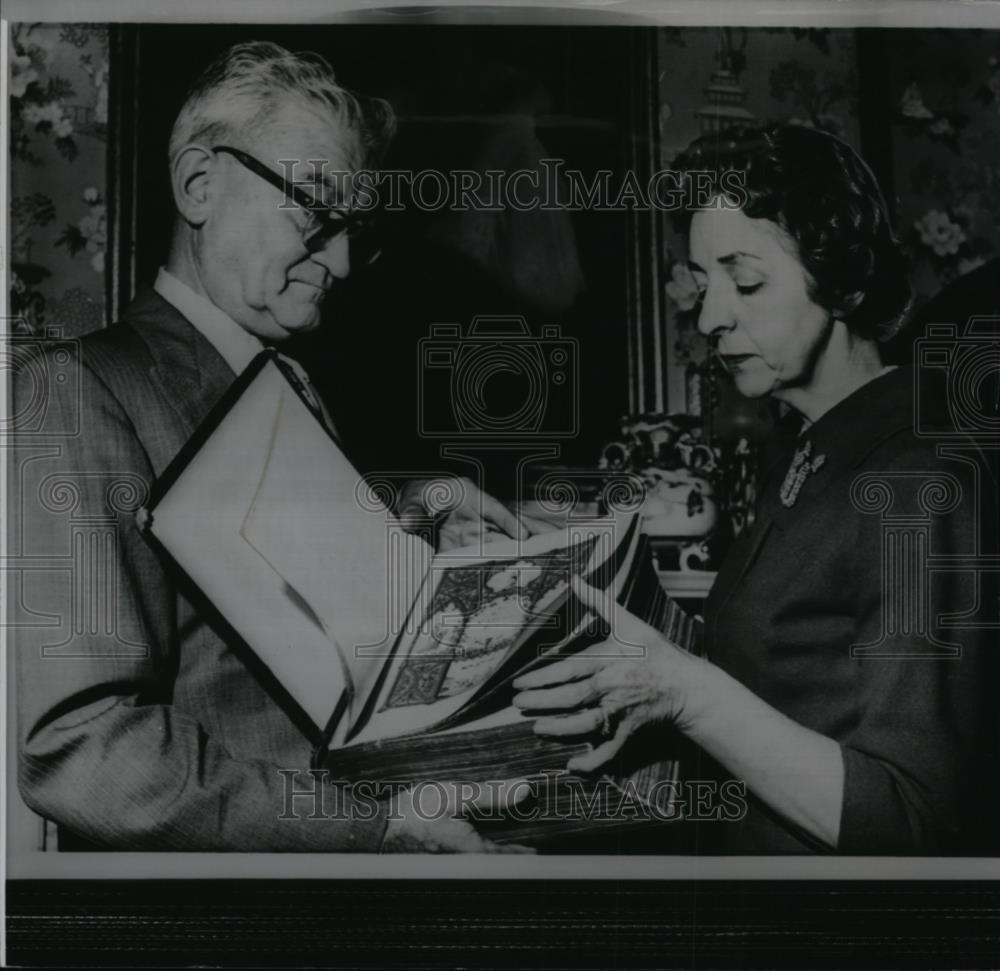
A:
x,y
333,222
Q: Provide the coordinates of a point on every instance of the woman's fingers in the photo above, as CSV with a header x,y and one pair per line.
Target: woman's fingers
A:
x,y
576,694
579,723
573,668
605,752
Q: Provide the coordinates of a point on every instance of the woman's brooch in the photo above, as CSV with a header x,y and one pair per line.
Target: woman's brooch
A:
x,y
801,468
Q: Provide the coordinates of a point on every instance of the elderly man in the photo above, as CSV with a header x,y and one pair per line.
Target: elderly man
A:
x,y
143,721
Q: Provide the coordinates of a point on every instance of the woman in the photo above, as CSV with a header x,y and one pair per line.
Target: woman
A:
x,y
857,722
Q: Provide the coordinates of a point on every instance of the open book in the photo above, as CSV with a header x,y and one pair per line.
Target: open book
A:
x,y
402,658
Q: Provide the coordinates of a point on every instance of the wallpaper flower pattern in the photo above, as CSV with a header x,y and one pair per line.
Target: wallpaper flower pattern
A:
x,y
805,77
944,121
944,86
946,149
58,133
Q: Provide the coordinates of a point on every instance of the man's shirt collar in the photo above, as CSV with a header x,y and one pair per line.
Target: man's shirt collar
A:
x,y
237,346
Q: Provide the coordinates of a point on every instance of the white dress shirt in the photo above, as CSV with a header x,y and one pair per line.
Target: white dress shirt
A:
x,y
237,346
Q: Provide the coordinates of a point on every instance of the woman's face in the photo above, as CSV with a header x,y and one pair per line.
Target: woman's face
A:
x,y
756,307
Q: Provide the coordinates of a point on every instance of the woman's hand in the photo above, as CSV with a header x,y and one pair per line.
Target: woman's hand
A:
x,y
635,677
638,677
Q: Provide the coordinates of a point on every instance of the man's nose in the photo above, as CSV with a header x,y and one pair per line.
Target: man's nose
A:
x,y
716,313
335,256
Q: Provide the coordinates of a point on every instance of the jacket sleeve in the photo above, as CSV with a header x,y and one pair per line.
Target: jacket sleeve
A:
x,y
921,762
101,749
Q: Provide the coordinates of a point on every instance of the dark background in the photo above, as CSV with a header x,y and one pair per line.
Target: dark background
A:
x,y
590,923
447,86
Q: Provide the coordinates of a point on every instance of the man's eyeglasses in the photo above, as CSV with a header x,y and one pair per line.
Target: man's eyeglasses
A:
x,y
323,223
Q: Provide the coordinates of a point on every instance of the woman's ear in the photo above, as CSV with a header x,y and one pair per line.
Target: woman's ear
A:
x,y
191,178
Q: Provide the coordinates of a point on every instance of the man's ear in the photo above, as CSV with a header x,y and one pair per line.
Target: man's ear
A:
x,y
191,178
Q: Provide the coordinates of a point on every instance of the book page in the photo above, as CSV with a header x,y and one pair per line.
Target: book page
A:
x,y
482,605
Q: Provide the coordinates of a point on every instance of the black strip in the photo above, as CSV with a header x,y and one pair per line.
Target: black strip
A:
x,y
550,924
205,608
204,431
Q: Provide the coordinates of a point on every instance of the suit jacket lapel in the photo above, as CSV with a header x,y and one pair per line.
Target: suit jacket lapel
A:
x,y
188,371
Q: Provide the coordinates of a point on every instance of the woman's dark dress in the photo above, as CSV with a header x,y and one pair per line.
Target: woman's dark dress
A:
x,y
817,611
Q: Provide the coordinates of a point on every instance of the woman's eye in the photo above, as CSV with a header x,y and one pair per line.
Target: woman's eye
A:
x,y
747,288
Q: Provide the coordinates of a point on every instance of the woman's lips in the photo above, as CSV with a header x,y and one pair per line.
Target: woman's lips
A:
x,y
735,361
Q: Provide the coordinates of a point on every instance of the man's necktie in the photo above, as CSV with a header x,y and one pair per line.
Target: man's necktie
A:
x,y
300,381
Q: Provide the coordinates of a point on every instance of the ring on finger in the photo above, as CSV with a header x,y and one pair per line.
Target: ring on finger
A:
x,y
606,726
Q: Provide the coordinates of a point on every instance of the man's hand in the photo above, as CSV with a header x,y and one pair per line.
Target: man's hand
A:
x,y
470,516
427,826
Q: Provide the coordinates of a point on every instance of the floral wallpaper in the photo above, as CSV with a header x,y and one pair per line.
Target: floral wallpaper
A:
x,y
944,89
711,78
58,152
944,84
946,145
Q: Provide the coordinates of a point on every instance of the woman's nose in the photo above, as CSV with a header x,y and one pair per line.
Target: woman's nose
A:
x,y
716,314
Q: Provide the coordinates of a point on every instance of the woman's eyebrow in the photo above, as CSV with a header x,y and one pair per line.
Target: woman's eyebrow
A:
x,y
730,258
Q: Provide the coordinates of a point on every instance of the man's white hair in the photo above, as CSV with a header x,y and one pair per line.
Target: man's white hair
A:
x,y
238,94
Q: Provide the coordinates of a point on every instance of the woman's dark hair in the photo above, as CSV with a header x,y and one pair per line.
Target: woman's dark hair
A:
x,y
821,193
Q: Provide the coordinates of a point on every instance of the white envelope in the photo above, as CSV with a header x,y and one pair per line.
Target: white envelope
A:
x,y
266,520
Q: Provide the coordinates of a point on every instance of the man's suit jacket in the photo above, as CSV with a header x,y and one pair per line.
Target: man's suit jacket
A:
x,y
143,722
